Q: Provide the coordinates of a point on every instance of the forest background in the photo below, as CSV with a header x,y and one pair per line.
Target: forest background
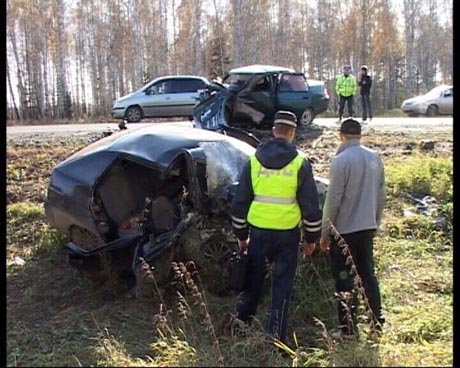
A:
x,y
70,59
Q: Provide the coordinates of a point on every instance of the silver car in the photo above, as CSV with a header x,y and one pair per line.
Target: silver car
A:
x,y
438,101
170,96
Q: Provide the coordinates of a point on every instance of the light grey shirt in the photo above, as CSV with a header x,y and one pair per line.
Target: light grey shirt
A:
x,y
356,194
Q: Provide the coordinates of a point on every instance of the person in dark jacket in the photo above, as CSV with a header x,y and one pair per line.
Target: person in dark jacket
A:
x,y
276,194
365,84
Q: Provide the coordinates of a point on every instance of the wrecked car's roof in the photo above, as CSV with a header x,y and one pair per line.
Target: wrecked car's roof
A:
x,y
156,143
260,69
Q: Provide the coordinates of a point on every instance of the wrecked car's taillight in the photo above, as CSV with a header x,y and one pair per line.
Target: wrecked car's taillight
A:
x,y
129,224
126,226
326,94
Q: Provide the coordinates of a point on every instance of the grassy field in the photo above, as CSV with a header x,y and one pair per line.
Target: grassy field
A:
x,y
57,318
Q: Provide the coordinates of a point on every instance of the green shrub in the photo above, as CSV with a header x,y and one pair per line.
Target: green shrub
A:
x,y
423,175
24,212
28,231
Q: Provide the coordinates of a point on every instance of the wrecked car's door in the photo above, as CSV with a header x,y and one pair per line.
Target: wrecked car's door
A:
x,y
292,92
195,164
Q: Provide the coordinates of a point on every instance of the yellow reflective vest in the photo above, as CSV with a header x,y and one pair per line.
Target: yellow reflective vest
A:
x,y
345,86
275,204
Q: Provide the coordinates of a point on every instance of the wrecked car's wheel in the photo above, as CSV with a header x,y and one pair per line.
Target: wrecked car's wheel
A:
x,y
216,251
210,250
133,114
84,239
97,267
307,117
216,254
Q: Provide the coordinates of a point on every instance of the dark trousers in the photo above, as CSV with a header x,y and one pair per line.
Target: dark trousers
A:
x,y
349,101
360,245
280,248
366,106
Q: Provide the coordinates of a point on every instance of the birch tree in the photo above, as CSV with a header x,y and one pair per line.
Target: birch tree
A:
x,y
411,14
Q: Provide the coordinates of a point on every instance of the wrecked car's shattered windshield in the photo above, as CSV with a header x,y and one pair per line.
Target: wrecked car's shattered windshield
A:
x,y
224,162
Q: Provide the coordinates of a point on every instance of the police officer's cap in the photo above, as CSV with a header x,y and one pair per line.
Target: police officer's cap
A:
x,y
285,118
350,126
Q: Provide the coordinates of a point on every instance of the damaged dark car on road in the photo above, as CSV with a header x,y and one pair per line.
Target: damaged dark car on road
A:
x,y
154,194
248,97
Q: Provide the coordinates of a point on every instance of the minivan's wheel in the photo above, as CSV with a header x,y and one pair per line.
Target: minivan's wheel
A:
x,y
432,111
133,114
307,117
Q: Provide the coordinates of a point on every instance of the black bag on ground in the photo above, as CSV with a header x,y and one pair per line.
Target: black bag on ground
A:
x,y
237,271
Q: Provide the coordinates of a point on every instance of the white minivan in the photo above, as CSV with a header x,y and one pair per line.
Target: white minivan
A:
x,y
169,96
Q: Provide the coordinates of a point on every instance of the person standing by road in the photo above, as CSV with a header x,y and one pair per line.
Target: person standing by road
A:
x,y
345,89
365,84
354,205
276,193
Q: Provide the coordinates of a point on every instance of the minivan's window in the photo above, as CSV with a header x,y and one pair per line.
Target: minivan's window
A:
x,y
160,88
187,85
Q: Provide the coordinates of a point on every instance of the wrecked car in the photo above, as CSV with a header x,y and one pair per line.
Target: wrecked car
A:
x,y
153,194
248,97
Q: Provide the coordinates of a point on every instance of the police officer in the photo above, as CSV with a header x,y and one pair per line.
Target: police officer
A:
x,y
276,193
345,88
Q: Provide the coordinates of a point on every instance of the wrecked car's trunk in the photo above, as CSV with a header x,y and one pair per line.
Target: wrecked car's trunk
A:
x,y
133,203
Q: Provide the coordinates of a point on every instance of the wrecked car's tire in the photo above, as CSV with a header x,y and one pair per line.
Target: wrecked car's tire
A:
x,y
97,267
210,249
307,117
216,253
84,239
133,114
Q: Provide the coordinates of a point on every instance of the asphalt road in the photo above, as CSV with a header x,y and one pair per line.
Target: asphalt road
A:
x,y
399,124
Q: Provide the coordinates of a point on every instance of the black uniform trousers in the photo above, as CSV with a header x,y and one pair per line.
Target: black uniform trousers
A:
x,y
282,249
349,101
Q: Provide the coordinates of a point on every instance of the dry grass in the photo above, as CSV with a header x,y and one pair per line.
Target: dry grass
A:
x,y
55,317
